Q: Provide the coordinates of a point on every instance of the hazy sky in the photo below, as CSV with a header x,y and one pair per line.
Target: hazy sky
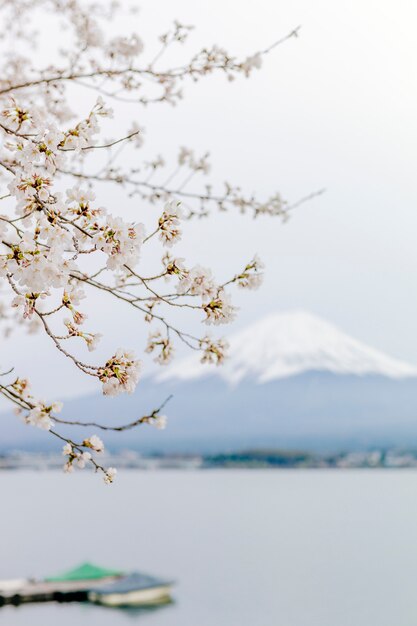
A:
x,y
335,108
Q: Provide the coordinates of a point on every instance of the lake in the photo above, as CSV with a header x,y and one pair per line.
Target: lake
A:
x,y
246,547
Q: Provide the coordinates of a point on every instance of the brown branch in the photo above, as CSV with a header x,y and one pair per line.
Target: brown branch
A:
x,y
129,426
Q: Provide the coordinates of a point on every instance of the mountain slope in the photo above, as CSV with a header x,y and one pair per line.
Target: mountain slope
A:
x,y
314,410
292,380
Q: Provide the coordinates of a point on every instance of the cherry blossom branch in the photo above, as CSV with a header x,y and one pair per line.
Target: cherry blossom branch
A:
x,y
145,419
59,244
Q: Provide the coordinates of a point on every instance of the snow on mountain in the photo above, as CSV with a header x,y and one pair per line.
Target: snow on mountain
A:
x,y
287,344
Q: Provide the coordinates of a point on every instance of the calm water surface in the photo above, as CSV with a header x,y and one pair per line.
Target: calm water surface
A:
x,y
247,548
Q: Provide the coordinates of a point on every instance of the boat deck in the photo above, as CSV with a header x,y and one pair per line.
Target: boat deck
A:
x,y
45,591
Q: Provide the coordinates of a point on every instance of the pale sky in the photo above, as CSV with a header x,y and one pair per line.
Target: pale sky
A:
x,y
335,108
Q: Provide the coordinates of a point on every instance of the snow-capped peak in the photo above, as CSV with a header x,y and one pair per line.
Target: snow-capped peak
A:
x,y
286,344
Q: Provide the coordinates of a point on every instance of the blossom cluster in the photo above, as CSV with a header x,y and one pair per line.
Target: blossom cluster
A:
x,y
162,345
120,373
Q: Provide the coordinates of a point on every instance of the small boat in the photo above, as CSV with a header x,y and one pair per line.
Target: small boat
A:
x,y
88,582
135,589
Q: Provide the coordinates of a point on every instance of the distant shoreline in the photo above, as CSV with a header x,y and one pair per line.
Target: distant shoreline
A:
x,y
245,459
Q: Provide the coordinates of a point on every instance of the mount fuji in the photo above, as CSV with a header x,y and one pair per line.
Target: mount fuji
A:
x,y
292,380
290,344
